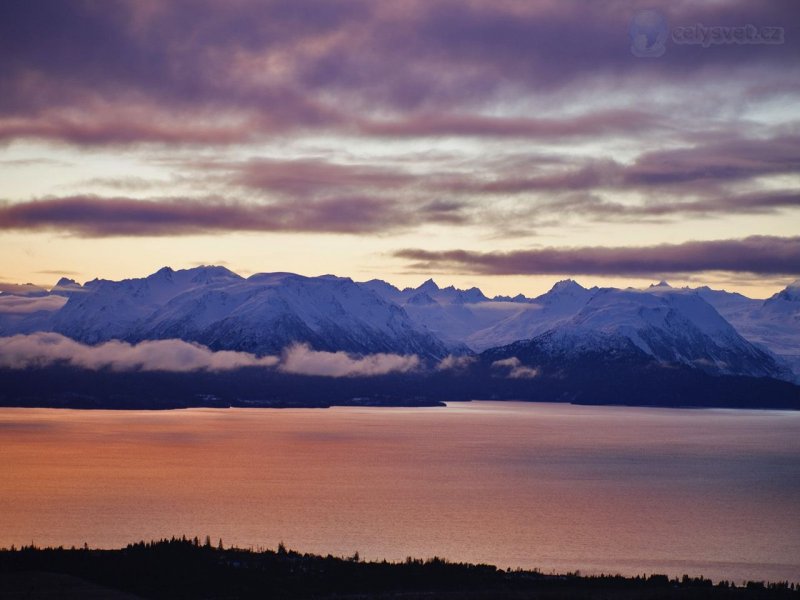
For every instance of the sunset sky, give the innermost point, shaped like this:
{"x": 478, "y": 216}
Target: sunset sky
{"x": 503, "y": 144}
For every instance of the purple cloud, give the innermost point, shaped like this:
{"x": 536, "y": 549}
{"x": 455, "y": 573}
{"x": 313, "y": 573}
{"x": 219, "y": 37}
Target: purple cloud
{"x": 592, "y": 124}
{"x": 301, "y": 178}
{"x": 694, "y": 168}
{"x": 766, "y": 255}
{"x": 125, "y": 71}
{"x": 692, "y": 181}
{"x": 602, "y": 210}
{"x": 92, "y": 216}
{"x": 545, "y": 110}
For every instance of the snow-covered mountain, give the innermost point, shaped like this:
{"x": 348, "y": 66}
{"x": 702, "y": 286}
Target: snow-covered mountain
{"x": 105, "y": 309}
{"x": 705, "y": 329}
{"x": 671, "y": 326}
{"x": 453, "y": 315}
{"x": 534, "y": 317}
{"x": 667, "y": 324}
{"x": 262, "y": 314}
{"x": 267, "y": 312}
{"x": 773, "y": 323}
{"x": 469, "y": 318}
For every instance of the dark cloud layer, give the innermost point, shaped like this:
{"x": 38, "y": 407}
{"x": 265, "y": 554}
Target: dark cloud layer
{"x": 301, "y": 178}
{"x": 123, "y": 71}
{"x": 598, "y": 209}
{"x": 593, "y": 124}
{"x": 697, "y": 167}
{"x": 766, "y": 255}
{"x": 694, "y": 180}
{"x": 550, "y": 119}
{"x": 92, "y": 216}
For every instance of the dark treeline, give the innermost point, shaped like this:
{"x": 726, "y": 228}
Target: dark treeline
{"x": 184, "y": 568}
{"x": 596, "y": 380}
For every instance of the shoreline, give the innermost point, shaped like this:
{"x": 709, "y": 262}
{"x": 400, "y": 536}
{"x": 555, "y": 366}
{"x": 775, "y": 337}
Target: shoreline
{"x": 159, "y": 569}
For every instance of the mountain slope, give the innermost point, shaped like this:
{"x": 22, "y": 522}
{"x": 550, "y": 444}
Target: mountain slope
{"x": 268, "y": 312}
{"x": 773, "y": 323}
{"x": 534, "y": 317}
{"x": 468, "y": 319}
{"x": 112, "y": 309}
{"x": 263, "y": 314}
{"x": 660, "y": 325}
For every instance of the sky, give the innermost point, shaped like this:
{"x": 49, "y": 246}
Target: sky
{"x": 499, "y": 144}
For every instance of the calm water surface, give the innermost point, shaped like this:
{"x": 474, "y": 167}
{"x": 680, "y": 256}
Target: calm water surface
{"x": 558, "y": 487}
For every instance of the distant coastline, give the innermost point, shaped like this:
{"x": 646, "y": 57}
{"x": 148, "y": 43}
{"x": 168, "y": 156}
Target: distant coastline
{"x": 189, "y": 568}
{"x": 589, "y": 383}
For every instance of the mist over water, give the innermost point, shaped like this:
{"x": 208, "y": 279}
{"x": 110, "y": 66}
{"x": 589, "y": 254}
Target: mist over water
{"x": 549, "y": 486}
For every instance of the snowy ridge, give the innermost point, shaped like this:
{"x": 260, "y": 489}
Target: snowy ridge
{"x": 773, "y": 324}
{"x": 220, "y": 309}
{"x": 715, "y": 331}
{"x": 268, "y": 312}
{"x": 671, "y": 326}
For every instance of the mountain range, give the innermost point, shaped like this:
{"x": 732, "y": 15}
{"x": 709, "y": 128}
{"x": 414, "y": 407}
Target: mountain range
{"x": 569, "y": 328}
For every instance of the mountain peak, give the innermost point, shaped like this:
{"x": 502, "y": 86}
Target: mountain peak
{"x": 474, "y": 294}
{"x": 428, "y": 286}
{"x": 330, "y": 277}
{"x": 207, "y": 273}
{"x": 790, "y": 293}
{"x": 661, "y": 284}
{"x": 380, "y": 282}
{"x": 164, "y": 272}
{"x": 65, "y": 286}
{"x": 567, "y": 285}
{"x": 382, "y": 288}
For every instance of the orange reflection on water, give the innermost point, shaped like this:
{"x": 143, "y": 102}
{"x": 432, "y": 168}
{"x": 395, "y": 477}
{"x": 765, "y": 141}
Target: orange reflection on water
{"x": 551, "y": 486}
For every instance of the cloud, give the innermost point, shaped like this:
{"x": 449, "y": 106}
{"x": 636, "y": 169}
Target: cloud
{"x": 125, "y": 72}
{"x": 46, "y": 349}
{"x": 516, "y": 369}
{"x": 94, "y": 216}
{"x": 730, "y": 159}
{"x": 766, "y": 255}
{"x": 697, "y": 133}
{"x": 302, "y": 178}
{"x": 10, "y": 304}
{"x": 697, "y": 166}
{"x": 300, "y": 359}
{"x": 451, "y": 362}
{"x": 592, "y": 124}
{"x": 35, "y": 162}
{"x": 58, "y": 272}
{"x": 119, "y": 127}
{"x": 596, "y": 208}
{"x": 22, "y": 289}
{"x": 129, "y": 71}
